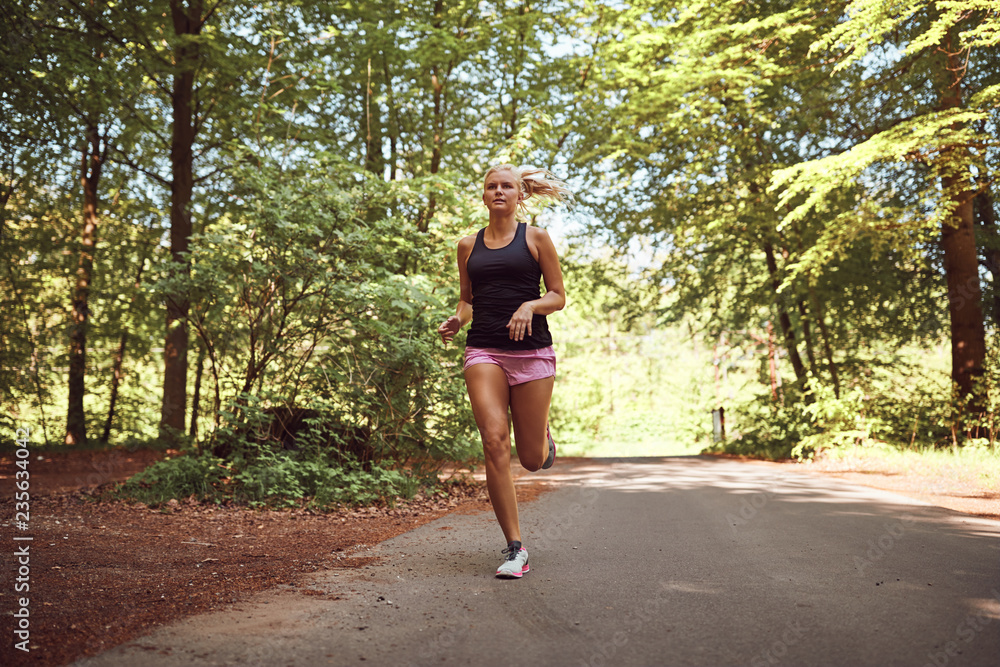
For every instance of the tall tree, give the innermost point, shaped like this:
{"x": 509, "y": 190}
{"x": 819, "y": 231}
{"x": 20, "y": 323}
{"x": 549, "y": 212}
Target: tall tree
{"x": 943, "y": 42}
{"x": 83, "y": 113}
{"x": 709, "y": 102}
{"x": 188, "y": 19}
{"x": 94, "y": 155}
{"x": 712, "y": 104}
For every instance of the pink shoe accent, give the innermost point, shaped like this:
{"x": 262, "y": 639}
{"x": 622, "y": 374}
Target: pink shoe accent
{"x": 518, "y": 575}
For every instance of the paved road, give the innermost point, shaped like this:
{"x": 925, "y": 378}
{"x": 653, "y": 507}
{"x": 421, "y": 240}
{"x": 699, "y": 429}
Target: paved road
{"x": 674, "y": 561}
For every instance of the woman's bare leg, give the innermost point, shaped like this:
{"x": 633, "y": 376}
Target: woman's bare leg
{"x": 529, "y": 409}
{"x": 490, "y": 398}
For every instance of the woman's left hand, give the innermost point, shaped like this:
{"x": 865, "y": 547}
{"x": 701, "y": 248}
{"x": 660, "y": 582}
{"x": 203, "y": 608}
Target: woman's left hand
{"x": 520, "y": 323}
{"x": 449, "y": 328}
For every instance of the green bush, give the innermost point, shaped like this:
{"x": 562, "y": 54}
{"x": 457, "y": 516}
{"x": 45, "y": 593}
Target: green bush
{"x": 764, "y": 428}
{"x": 316, "y": 317}
{"x": 178, "y": 477}
{"x": 888, "y": 401}
{"x": 278, "y": 480}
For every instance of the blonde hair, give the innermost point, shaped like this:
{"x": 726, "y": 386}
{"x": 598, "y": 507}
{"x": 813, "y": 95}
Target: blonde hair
{"x": 534, "y": 182}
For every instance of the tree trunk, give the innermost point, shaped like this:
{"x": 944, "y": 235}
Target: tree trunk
{"x": 438, "y": 87}
{"x": 804, "y": 318}
{"x": 187, "y": 23}
{"x": 772, "y": 361}
{"x": 958, "y": 241}
{"x": 986, "y": 221}
{"x": 116, "y": 373}
{"x": 961, "y": 266}
{"x": 437, "y": 123}
{"x": 196, "y": 398}
{"x": 393, "y": 119}
{"x": 824, "y": 333}
{"x": 783, "y": 319}
{"x": 374, "y": 159}
{"x": 116, "y": 379}
{"x": 90, "y": 176}
{"x": 35, "y": 364}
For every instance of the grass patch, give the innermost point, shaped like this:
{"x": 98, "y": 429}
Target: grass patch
{"x": 974, "y": 465}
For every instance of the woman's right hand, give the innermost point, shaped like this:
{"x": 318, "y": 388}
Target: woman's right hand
{"x": 449, "y": 328}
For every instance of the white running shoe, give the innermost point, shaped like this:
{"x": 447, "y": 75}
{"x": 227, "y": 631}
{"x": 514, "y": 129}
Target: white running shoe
{"x": 516, "y": 562}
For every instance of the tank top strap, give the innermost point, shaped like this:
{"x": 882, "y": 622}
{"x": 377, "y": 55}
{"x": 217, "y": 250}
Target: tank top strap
{"x": 520, "y": 239}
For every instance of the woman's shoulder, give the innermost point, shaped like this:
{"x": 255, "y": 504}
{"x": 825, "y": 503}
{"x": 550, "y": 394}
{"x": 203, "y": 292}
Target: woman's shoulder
{"x": 466, "y": 244}
{"x": 536, "y": 234}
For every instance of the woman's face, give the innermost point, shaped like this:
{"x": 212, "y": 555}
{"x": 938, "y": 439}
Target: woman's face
{"x": 501, "y": 192}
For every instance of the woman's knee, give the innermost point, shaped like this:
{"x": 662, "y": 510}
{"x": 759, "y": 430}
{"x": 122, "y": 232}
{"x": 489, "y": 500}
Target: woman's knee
{"x": 496, "y": 447}
{"x": 530, "y": 462}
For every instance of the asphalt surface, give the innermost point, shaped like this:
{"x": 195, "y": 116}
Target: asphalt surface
{"x": 672, "y": 561}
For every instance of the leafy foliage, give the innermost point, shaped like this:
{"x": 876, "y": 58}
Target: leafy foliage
{"x": 796, "y": 167}
{"x": 279, "y": 480}
{"x": 776, "y": 177}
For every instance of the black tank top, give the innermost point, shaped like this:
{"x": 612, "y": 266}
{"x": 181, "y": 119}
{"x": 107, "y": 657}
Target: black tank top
{"x": 503, "y": 279}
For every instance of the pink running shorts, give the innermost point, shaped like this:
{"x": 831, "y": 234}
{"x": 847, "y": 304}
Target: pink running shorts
{"x": 520, "y": 365}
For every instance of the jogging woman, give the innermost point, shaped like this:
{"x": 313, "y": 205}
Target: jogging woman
{"x": 510, "y": 366}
